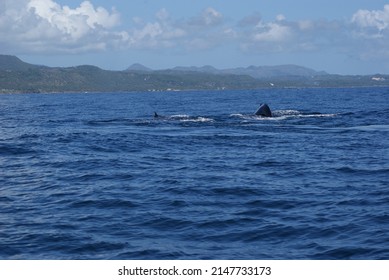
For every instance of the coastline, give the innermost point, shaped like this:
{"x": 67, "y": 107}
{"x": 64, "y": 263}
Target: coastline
{"x": 17, "y": 76}
{"x": 6, "y": 91}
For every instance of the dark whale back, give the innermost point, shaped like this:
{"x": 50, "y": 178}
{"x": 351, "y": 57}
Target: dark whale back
{"x": 263, "y": 111}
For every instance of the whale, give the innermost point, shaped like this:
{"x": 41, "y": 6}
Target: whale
{"x": 263, "y": 111}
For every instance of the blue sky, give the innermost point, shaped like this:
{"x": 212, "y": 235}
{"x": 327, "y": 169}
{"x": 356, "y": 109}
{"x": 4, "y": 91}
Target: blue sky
{"x": 350, "y": 37}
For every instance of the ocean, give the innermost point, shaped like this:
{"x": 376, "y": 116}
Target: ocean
{"x": 96, "y": 176}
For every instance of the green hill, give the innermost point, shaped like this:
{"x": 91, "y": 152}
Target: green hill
{"x": 13, "y": 63}
{"x": 18, "y": 76}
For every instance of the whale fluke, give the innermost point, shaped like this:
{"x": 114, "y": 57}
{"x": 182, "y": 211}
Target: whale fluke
{"x": 263, "y": 111}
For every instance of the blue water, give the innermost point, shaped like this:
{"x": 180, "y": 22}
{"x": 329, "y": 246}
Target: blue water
{"x": 95, "y": 176}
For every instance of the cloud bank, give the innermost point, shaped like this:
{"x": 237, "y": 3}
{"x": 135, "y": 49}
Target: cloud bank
{"x": 41, "y": 26}
{"x": 44, "y": 25}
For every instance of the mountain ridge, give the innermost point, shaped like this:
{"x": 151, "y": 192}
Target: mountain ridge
{"x": 138, "y": 67}
{"x": 13, "y": 63}
{"x": 258, "y": 72}
{"x": 18, "y": 76}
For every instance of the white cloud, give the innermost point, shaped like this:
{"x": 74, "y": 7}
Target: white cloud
{"x": 161, "y": 33}
{"x": 28, "y": 26}
{"x": 211, "y": 16}
{"x": 257, "y": 35}
{"x": 300, "y": 36}
{"x": 378, "y": 19}
{"x": 195, "y": 33}
{"x": 208, "y": 18}
{"x": 371, "y": 34}
{"x": 44, "y": 25}
{"x": 272, "y": 32}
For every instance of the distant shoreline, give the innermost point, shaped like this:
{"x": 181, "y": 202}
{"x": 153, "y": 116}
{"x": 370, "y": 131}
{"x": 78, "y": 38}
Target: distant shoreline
{"x": 17, "y": 76}
{"x": 185, "y": 90}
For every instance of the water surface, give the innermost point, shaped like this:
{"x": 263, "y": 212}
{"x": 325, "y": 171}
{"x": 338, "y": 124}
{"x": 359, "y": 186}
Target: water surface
{"x": 95, "y": 176}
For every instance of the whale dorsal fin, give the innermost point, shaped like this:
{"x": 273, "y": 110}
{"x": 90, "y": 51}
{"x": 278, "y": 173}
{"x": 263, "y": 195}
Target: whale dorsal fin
{"x": 264, "y": 111}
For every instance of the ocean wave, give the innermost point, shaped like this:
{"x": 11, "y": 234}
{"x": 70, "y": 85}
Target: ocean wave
{"x": 198, "y": 119}
{"x": 283, "y": 115}
{"x": 215, "y": 182}
{"x": 184, "y": 118}
{"x": 372, "y": 127}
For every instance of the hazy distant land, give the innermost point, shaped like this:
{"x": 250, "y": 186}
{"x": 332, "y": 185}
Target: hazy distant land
{"x": 17, "y": 76}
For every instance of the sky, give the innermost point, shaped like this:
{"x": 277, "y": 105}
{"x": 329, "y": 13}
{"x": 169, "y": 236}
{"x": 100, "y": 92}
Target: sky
{"x": 349, "y": 37}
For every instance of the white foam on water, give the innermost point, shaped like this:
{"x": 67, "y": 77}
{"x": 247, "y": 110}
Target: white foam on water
{"x": 198, "y": 119}
{"x": 179, "y": 117}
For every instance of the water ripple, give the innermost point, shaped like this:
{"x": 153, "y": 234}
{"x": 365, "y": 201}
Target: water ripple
{"x": 98, "y": 177}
